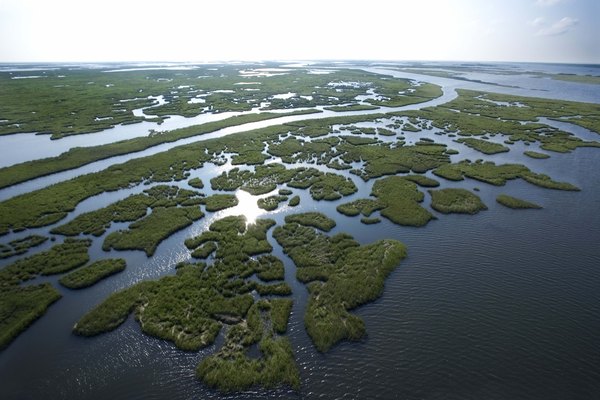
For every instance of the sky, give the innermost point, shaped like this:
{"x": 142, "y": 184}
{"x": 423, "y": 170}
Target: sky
{"x": 225, "y": 30}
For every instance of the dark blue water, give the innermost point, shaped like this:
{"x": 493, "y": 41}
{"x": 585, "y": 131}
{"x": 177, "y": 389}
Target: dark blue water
{"x": 504, "y": 304}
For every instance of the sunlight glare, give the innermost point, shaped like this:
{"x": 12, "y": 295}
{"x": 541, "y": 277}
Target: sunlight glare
{"x": 247, "y": 207}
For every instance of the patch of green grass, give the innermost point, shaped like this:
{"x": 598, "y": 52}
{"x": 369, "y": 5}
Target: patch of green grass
{"x": 383, "y": 160}
{"x": 190, "y": 309}
{"x": 294, "y": 201}
{"x": 422, "y": 180}
{"x": 60, "y": 258}
{"x": 79, "y": 156}
{"x": 271, "y": 203}
{"x": 21, "y": 246}
{"x": 402, "y": 199}
{"x": 21, "y": 306}
{"x": 230, "y": 369}
{"x": 535, "y": 154}
{"x": 93, "y": 273}
{"x": 218, "y": 202}
{"x": 351, "y": 107}
{"x": 234, "y": 239}
{"x": 130, "y": 209}
{"x": 312, "y": 219}
{"x": 483, "y": 146}
{"x": 265, "y": 178}
{"x": 361, "y": 206}
{"x": 341, "y": 275}
{"x": 196, "y": 183}
{"x": 493, "y": 174}
{"x": 515, "y": 203}
{"x": 147, "y": 233}
{"x": 370, "y": 221}
{"x": 456, "y": 201}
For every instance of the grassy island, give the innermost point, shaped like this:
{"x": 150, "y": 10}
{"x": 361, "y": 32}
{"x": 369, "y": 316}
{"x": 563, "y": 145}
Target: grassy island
{"x": 483, "y": 146}
{"x": 535, "y": 154}
{"x": 93, "y": 273}
{"x": 191, "y": 307}
{"x": 20, "y": 246}
{"x": 218, "y": 202}
{"x": 340, "y": 274}
{"x": 313, "y": 219}
{"x": 272, "y": 202}
{"x": 515, "y": 203}
{"x": 401, "y": 198}
{"x": 21, "y": 305}
{"x": 493, "y": 174}
{"x": 456, "y": 201}
{"x": 147, "y": 233}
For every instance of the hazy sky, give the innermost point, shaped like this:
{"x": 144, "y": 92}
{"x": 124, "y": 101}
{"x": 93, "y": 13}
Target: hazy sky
{"x": 195, "y": 30}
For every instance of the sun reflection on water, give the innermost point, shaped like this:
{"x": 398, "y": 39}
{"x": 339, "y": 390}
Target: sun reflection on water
{"x": 247, "y": 206}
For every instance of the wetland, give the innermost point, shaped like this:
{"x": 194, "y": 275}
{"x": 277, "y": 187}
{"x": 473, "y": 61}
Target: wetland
{"x": 378, "y": 224}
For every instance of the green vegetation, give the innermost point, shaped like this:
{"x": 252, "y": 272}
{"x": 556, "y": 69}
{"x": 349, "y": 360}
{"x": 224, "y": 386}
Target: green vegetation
{"x": 130, "y": 209}
{"x": 483, "y": 113}
{"x": 49, "y": 205}
{"x": 398, "y": 199}
{"x": 265, "y": 178}
{"x": 361, "y": 206}
{"x": 20, "y": 305}
{"x": 493, "y": 174}
{"x": 196, "y": 183}
{"x": 456, "y": 201}
{"x": 58, "y": 259}
{"x": 284, "y": 192}
{"x": 370, "y": 221}
{"x": 218, "y": 202}
{"x": 234, "y": 240}
{"x": 271, "y": 203}
{"x": 145, "y": 234}
{"x": 313, "y": 219}
{"x": 93, "y": 273}
{"x": 66, "y": 101}
{"x": 294, "y": 201}
{"x": 513, "y": 202}
{"x": 351, "y": 107}
{"x": 588, "y": 79}
{"x": 79, "y": 156}
{"x": 20, "y": 246}
{"x": 535, "y": 154}
{"x": 341, "y": 275}
{"x": 230, "y": 369}
{"x": 422, "y": 180}
{"x": 483, "y": 146}
{"x": 191, "y": 307}
{"x": 383, "y": 160}
{"x": 401, "y": 198}
{"x": 516, "y": 117}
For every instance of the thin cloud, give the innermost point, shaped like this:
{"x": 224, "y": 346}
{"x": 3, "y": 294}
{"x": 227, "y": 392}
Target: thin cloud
{"x": 558, "y": 28}
{"x": 538, "y": 22}
{"x": 547, "y": 3}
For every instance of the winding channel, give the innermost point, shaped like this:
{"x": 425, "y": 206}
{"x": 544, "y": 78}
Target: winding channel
{"x": 41, "y": 146}
{"x": 449, "y": 94}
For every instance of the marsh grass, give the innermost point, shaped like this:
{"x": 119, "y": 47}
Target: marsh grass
{"x": 515, "y": 203}
{"x": 91, "y": 274}
{"x": 453, "y": 200}
{"x": 340, "y": 276}
{"x": 146, "y": 233}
